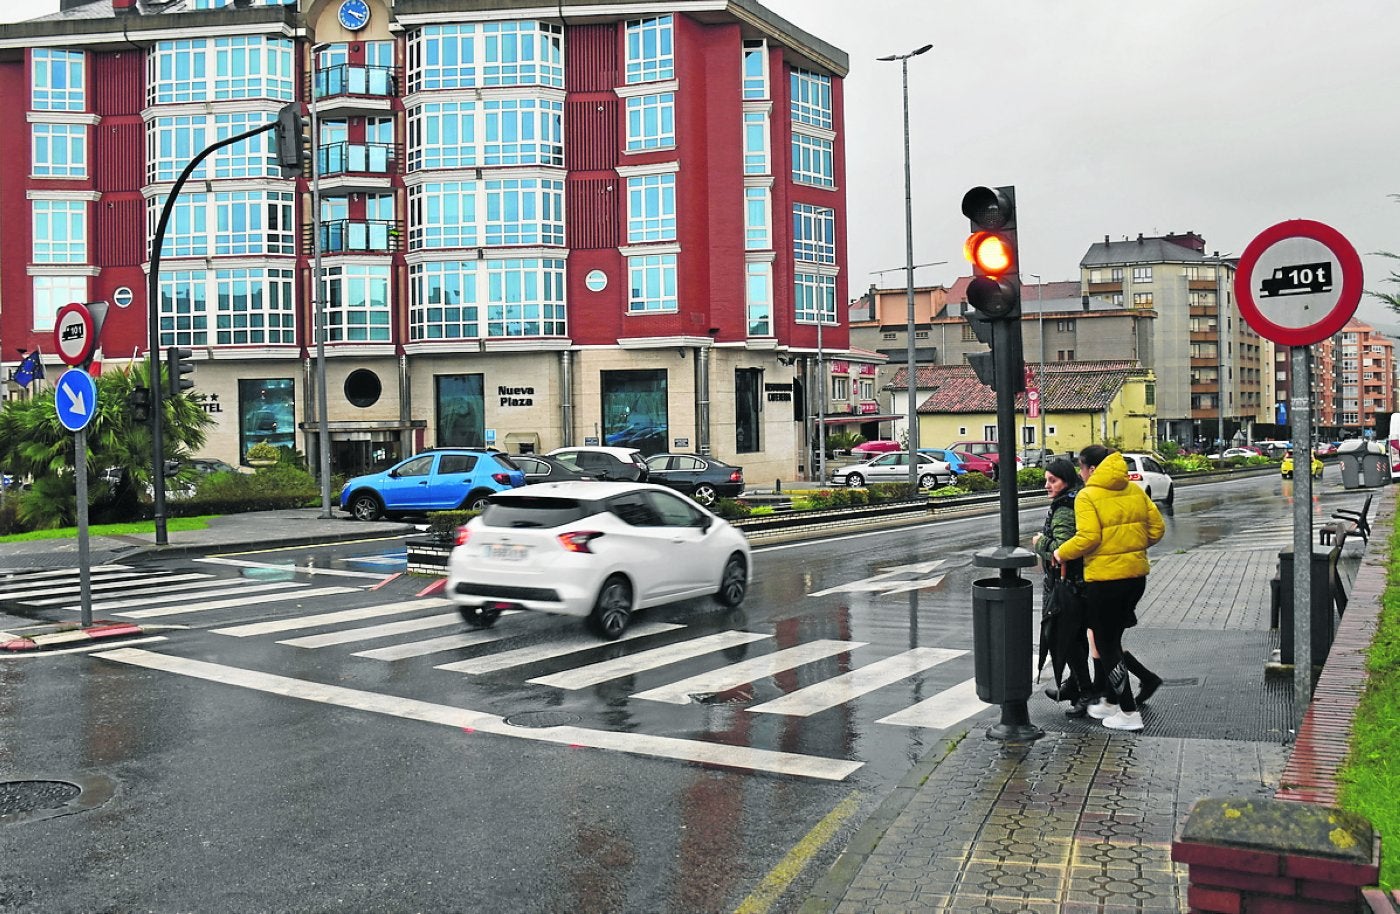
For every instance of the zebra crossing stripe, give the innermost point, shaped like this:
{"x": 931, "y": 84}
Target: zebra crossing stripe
{"x": 153, "y": 584}
{"x": 159, "y": 612}
{"x": 560, "y": 647}
{"x": 299, "y": 569}
{"x": 274, "y": 626}
{"x": 840, "y": 689}
{"x": 401, "y": 627}
{"x": 49, "y": 588}
{"x": 594, "y": 673}
{"x": 938, "y": 712}
{"x": 695, "y": 751}
{"x": 149, "y": 594}
{"x": 26, "y": 576}
{"x": 431, "y": 645}
{"x": 737, "y": 674}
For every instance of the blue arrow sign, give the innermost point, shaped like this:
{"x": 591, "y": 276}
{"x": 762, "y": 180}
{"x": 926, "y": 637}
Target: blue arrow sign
{"x": 75, "y": 399}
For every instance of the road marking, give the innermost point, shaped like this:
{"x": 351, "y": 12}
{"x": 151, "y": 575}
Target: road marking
{"x": 840, "y": 689}
{"x": 223, "y": 589}
{"x": 762, "y": 898}
{"x": 237, "y": 601}
{"x": 938, "y": 712}
{"x": 898, "y": 579}
{"x": 48, "y": 588}
{"x": 559, "y": 647}
{"x": 99, "y": 646}
{"x": 737, "y": 674}
{"x": 13, "y": 576}
{"x": 695, "y": 751}
{"x": 431, "y": 645}
{"x": 298, "y": 569}
{"x": 274, "y": 626}
{"x": 401, "y": 627}
{"x": 135, "y": 585}
{"x": 594, "y": 673}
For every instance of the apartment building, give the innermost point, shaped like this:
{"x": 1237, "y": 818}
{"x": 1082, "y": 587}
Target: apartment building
{"x": 538, "y": 225}
{"x": 1353, "y": 381}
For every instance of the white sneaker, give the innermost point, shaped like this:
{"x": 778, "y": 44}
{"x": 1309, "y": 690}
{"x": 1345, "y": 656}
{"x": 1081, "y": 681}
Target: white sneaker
{"x": 1124, "y": 720}
{"x": 1102, "y": 708}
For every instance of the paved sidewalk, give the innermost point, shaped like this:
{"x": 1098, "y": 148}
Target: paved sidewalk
{"x": 1083, "y": 819}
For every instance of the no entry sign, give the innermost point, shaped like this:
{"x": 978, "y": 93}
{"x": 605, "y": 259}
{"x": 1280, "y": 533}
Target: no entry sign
{"x": 1298, "y": 282}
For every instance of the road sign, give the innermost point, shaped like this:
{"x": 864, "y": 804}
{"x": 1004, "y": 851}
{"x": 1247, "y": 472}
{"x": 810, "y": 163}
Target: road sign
{"x": 1032, "y": 404}
{"x": 74, "y": 333}
{"x": 75, "y": 399}
{"x": 1298, "y": 282}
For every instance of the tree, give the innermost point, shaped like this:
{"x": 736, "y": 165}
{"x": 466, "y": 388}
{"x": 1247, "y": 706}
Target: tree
{"x": 1389, "y": 298}
{"x": 35, "y": 444}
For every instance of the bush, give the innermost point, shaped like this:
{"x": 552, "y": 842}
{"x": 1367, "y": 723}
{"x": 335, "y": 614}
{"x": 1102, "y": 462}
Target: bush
{"x": 270, "y": 488}
{"x": 974, "y": 481}
{"x": 732, "y": 508}
{"x": 887, "y": 491}
{"x": 1030, "y": 478}
{"x": 442, "y": 525}
{"x": 1169, "y": 449}
{"x": 1188, "y": 463}
{"x": 9, "y": 515}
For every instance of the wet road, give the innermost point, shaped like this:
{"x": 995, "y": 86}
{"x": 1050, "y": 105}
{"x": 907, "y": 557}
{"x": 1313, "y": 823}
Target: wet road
{"x": 308, "y": 737}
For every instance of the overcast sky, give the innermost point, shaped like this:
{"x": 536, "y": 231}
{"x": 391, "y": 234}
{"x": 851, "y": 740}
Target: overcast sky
{"x": 1221, "y": 117}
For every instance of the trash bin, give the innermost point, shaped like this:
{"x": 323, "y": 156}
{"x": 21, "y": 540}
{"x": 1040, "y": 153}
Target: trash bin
{"x": 1349, "y": 456}
{"x": 1001, "y": 639}
{"x": 1319, "y": 607}
{"x": 1375, "y": 468}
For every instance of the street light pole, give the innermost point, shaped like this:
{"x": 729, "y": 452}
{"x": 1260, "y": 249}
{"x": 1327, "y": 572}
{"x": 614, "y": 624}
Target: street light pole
{"x": 1040, "y": 369}
{"x": 909, "y": 270}
{"x": 318, "y": 303}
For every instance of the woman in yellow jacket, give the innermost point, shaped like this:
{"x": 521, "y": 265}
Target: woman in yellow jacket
{"x": 1115, "y": 522}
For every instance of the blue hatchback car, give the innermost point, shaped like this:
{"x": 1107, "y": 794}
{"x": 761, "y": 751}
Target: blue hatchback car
{"x": 438, "y": 480}
{"x": 951, "y": 458}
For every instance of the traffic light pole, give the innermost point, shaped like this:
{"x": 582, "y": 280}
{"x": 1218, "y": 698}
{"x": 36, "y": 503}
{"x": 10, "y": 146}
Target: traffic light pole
{"x": 153, "y": 329}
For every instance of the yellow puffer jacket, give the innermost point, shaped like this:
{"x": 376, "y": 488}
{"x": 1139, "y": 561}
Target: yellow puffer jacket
{"x": 1115, "y": 522}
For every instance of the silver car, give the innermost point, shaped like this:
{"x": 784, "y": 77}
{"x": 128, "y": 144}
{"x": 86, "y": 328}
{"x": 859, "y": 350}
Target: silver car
{"x": 893, "y": 468}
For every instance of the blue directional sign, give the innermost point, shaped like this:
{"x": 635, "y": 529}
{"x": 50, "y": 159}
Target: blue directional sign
{"x": 75, "y": 399}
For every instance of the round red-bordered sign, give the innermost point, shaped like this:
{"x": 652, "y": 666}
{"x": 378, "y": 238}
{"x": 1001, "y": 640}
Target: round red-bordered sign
{"x": 74, "y": 334}
{"x": 1298, "y": 282}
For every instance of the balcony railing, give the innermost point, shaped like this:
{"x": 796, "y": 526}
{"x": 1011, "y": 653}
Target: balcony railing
{"x": 342, "y": 236}
{"x": 356, "y": 158}
{"x": 345, "y": 79}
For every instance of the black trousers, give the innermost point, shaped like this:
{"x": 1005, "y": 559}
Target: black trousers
{"x": 1113, "y": 610}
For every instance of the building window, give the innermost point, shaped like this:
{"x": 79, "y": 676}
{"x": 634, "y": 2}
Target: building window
{"x": 1116, "y": 274}
{"x": 748, "y": 409}
{"x": 815, "y": 298}
{"x": 968, "y": 334}
{"x": 442, "y": 301}
{"x": 1142, "y": 274}
{"x": 920, "y": 334}
{"x": 650, "y": 51}
{"x": 651, "y": 121}
{"x": 813, "y": 233}
{"x": 525, "y": 298}
{"x": 503, "y": 53}
{"x": 442, "y": 215}
{"x": 812, "y": 161}
{"x": 1142, "y": 299}
{"x": 756, "y": 143}
{"x": 219, "y": 69}
{"x": 1149, "y": 393}
{"x": 266, "y": 413}
{"x": 865, "y": 388}
{"x": 357, "y": 303}
{"x": 253, "y": 222}
{"x": 758, "y": 234}
{"x": 811, "y": 98}
{"x": 254, "y": 307}
{"x": 755, "y": 70}
{"x": 59, "y": 151}
{"x": 840, "y": 389}
{"x": 184, "y": 308}
{"x": 652, "y": 283}
{"x": 52, "y": 293}
{"x": 524, "y": 211}
{"x": 759, "y": 298}
{"x": 461, "y": 410}
{"x": 57, "y": 80}
{"x": 442, "y": 57}
{"x": 526, "y": 131}
{"x": 60, "y": 231}
{"x": 893, "y": 336}
{"x": 651, "y": 208}
{"x": 1116, "y": 299}
{"x": 1064, "y": 355}
{"x": 171, "y": 142}
{"x": 1064, "y": 326}
{"x": 442, "y": 135}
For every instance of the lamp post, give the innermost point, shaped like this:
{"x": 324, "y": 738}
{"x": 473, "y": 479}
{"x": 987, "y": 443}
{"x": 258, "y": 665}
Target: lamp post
{"x": 1040, "y": 368}
{"x": 909, "y": 268}
{"x": 318, "y": 302}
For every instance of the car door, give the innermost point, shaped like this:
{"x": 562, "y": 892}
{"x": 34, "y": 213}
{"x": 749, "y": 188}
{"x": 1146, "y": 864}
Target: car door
{"x": 406, "y": 485}
{"x": 889, "y": 468}
{"x": 693, "y": 560}
{"x": 648, "y": 553}
{"x": 1157, "y": 477}
{"x": 451, "y": 482}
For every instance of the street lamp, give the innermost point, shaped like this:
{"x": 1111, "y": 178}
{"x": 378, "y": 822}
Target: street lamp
{"x": 318, "y": 296}
{"x": 909, "y": 268}
{"x": 1040, "y": 369}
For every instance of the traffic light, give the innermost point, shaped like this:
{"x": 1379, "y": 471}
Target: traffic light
{"x": 995, "y": 290}
{"x": 178, "y": 363}
{"x": 291, "y": 140}
{"x": 140, "y": 403}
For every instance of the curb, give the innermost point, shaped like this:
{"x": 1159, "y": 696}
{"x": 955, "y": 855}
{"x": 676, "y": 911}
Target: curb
{"x": 56, "y": 635}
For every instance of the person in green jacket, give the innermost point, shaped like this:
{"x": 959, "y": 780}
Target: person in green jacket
{"x": 1115, "y": 523}
{"x": 1069, "y": 646}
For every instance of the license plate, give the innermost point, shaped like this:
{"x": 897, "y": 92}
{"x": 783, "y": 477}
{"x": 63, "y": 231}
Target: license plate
{"x": 506, "y": 553}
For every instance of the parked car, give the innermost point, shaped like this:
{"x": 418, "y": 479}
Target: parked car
{"x": 542, "y": 468}
{"x": 871, "y": 448}
{"x": 600, "y": 550}
{"x": 1236, "y": 452}
{"x": 1286, "y": 466}
{"x": 1325, "y": 448}
{"x": 976, "y": 463}
{"x": 1151, "y": 477}
{"x": 955, "y": 463}
{"x": 986, "y": 449}
{"x": 617, "y": 464}
{"x": 704, "y": 479}
{"x": 893, "y": 468}
{"x": 436, "y": 480}
{"x": 1035, "y": 456}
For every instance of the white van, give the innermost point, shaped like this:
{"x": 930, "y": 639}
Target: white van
{"x": 1392, "y": 446}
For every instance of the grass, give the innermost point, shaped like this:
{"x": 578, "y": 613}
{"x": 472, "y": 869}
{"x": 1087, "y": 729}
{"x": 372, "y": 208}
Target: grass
{"x": 173, "y": 524}
{"x": 1370, "y": 778}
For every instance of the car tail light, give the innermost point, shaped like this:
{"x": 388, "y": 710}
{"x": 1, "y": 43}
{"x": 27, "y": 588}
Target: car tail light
{"x": 463, "y": 534}
{"x": 578, "y": 540}
{"x": 736, "y": 476}
{"x": 502, "y": 478}
{"x": 1135, "y": 477}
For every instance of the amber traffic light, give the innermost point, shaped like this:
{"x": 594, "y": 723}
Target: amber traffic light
{"x": 995, "y": 290}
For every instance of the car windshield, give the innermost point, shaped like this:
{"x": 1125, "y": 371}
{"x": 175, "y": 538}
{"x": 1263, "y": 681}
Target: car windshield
{"x": 536, "y": 511}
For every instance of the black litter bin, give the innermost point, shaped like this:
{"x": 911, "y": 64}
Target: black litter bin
{"x": 1319, "y": 608}
{"x": 1375, "y": 470}
{"x": 1001, "y": 639}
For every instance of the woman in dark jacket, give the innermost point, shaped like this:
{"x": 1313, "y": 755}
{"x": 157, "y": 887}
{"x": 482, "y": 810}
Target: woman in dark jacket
{"x": 1070, "y": 646}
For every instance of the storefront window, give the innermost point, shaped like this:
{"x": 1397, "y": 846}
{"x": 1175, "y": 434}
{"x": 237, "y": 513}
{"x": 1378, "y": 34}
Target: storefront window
{"x": 634, "y": 410}
{"x": 266, "y": 413}
{"x": 461, "y": 410}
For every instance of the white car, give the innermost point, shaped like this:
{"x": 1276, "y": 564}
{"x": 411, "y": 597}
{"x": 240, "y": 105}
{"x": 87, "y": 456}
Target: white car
{"x": 894, "y": 468}
{"x": 1151, "y": 477}
{"x": 600, "y": 550}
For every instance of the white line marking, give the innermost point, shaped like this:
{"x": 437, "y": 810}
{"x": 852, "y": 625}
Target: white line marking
{"x": 22, "y": 577}
{"x": 237, "y": 601}
{"x": 299, "y": 569}
{"x": 737, "y": 674}
{"x": 403, "y": 626}
{"x": 938, "y": 712}
{"x": 741, "y": 757}
{"x": 225, "y": 588}
{"x": 594, "y": 673}
{"x": 840, "y": 689}
{"x": 567, "y": 644}
{"x": 431, "y": 645}
{"x": 96, "y": 646}
{"x": 50, "y": 588}
{"x": 333, "y": 618}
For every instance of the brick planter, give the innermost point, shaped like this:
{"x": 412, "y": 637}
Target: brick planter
{"x": 427, "y": 555}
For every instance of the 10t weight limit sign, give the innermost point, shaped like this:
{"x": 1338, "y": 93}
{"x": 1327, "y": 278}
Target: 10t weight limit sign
{"x": 1298, "y": 283}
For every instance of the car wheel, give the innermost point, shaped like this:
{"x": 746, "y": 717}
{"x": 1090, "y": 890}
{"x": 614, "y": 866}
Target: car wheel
{"x": 479, "y": 616}
{"x": 705, "y": 494}
{"x": 733, "y": 582}
{"x": 477, "y": 501}
{"x": 1171, "y": 495}
{"x": 928, "y": 481}
{"x": 613, "y": 608}
{"x": 855, "y": 480}
{"x": 366, "y": 506}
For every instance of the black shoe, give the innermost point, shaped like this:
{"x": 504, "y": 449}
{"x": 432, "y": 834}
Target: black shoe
{"x": 1080, "y": 708}
{"x": 1067, "y": 692}
{"x": 1147, "y": 688}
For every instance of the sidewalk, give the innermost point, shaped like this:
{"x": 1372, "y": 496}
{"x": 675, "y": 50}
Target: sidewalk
{"x": 1083, "y": 819}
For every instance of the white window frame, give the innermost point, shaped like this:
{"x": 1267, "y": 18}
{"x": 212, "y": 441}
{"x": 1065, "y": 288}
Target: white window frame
{"x": 651, "y": 121}
{"x": 758, "y": 159}
{"x": 651, "y": 208}
{"x": 813, "y": 233}
{"x": 53, "y": 292}
{"x": 650, "y": 50}
{"x": 60, "y": 231}
{"x": 358, "y": 303}
{"x": 439, "y": 320}
{"x": 58, "y": 80}
{"x": 754, "y": 70}
{"x": 811, "y": 98}
{"x": 758, "y": 297}
{"x": 813, "y": 160}
{"x": 814, "y": 297}
{"x": 758, "y": 217}
{"x": 525, "y": 297}
{"x": 253, "y": 306}
{"x": 652, "y": 284}
{"x": 58, "y": 150}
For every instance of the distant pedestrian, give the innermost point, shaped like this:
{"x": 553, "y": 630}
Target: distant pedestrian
{"x": 1068, "y": 645}
{"x": 1115, "y": 523}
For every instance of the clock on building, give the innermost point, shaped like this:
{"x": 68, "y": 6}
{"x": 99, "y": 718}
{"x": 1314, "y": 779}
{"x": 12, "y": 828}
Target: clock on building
{"x": 354, "y": 14}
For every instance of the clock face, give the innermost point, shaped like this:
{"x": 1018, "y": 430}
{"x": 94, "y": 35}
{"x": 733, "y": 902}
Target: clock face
{"x": 354, "y": 14}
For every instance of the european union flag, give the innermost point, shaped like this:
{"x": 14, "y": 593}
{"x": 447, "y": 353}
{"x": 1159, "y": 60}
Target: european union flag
{"x": 30, "y": 367}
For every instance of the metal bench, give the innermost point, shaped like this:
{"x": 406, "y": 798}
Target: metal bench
{"x": 1348, "y": 520}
